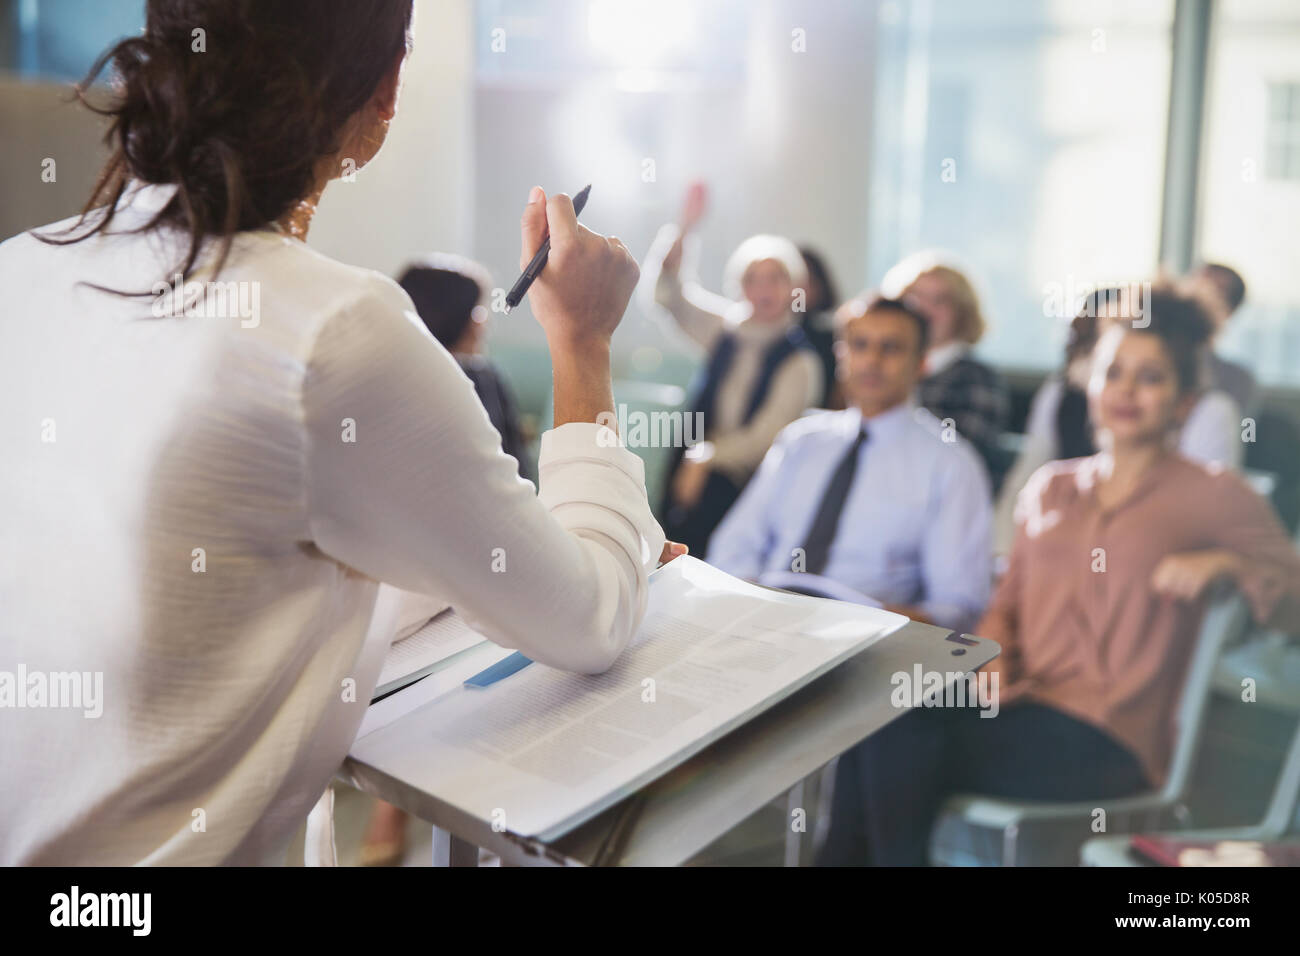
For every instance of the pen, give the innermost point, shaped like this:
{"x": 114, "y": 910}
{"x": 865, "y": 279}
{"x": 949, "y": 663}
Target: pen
{"x": 538, "y": 262}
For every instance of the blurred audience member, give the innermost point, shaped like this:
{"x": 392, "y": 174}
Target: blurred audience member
{"x": 869, "y": 504}
{"x": 1097, "y": 615}
{"x": 760, "y": 375}
{"x": 448, "y": 292}
{"x": 1059, "y": 425}
{"x": 954, "y": 384}
{"x": 1220, "y": 290}
{"x": 819, "y": 323}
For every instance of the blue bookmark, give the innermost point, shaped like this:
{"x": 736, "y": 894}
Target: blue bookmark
{"x": 502, "y": 668}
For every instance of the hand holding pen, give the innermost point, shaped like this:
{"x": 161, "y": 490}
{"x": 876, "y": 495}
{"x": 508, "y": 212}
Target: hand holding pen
{"x": 582, "y": 290}
{"x": 538, "y": 261}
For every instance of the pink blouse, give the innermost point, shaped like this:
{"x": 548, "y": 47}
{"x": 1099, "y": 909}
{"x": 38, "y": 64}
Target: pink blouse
{"x": 1080, "y": 626}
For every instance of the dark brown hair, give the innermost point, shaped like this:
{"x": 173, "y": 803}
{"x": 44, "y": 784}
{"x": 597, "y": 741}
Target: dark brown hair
{"x": 871, "y": 301}
{"x": 241, "y": 125}
{"x": 1085, "y": 328}
{"x": 446, "y": 290}
{"x": 819, "y": 272}
{"x": 1228, "y": 281}
{"x": 1183, "y": 329}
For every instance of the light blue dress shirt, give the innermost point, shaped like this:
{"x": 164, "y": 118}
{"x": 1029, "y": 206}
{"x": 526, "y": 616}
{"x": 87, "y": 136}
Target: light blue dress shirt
{"x": 915, "y": 529}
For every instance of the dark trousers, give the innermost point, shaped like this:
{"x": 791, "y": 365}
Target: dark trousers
{"x": 890, "y": 787}
{"x": 694, "y": 526}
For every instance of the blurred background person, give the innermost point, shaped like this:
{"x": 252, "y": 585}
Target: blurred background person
{"x": 1060, "y": 426}
{"x": 869, "y": 504}
{"x": 1093, "y": 660}
{"x": 1221, "y": 290}
{"x": 448, "y": 291}
{"x": 954, "y": 384}
{"x": 760, "y": 373}
{"x": 818, "y": 321}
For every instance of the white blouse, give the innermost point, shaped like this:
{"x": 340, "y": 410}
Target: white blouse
{"x": 199, "y": 511}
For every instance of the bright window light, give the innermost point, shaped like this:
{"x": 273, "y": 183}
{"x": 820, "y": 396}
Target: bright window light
{"x": 638, "y": 34}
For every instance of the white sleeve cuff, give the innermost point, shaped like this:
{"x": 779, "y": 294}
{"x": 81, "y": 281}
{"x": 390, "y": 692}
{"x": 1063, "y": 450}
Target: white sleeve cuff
{"x": 584, "y": 472}
{"x": 589, "y": 441}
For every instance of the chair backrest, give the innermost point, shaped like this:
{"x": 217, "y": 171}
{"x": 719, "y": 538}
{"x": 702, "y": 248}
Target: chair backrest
{"x": 660, "y": 409}
{"x": 1263, "y": 482}
{"x": 1276, "y": 449}
{"x": 1282, "y": 813}
{"x": 1225, "y": 618}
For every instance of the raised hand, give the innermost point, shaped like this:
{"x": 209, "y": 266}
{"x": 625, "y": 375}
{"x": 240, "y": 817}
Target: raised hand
{"x": 695, "y": 206}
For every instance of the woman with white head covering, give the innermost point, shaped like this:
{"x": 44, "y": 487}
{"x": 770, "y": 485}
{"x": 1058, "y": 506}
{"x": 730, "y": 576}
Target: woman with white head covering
{"x": 760, "y": 374}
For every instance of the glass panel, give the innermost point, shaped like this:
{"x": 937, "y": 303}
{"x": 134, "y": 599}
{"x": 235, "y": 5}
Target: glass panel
{"x": 1027, "y": 138}
{"x": 1250, "y": 185}
{"x": 60, "y": 39}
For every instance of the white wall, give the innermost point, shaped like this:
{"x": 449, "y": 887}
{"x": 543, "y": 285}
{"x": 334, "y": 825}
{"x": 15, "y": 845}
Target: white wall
{"x": 783, "y": 142}
{"x": 414, "y": 197}
{"x": 38, "y": 124}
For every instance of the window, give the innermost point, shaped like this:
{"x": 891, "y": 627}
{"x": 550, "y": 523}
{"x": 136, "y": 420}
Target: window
{"x": 1282, "y": 149}
{"x": 1250, "y": 179}
{"x": 1028, "y": 139}
{"x": 60, "y": 39}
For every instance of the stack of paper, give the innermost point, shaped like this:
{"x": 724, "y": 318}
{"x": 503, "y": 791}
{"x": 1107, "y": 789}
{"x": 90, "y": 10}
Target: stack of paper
{"x": 420, "y": 653}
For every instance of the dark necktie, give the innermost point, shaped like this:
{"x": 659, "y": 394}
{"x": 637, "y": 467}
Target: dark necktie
{"x": 817, "y": 546}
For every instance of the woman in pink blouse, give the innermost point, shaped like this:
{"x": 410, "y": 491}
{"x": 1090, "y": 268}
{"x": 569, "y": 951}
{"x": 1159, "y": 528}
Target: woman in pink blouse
{"x": 1097, "y": 613}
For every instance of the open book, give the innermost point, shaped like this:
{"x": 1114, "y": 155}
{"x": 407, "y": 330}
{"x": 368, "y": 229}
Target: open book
{"x": 543, "y": 750}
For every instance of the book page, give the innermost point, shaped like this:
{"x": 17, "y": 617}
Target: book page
{"x": 418, "y": 653}
{"x": 543, "y": 750}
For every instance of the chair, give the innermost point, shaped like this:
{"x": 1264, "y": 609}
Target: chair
{"x": 655, "y": 403}
{"x": 1279, "y": 819}
{"x": 1276, "y": 449}
{"x": 1269, "y": 656}
{"x": 1263, "y": 483}
{"x": 973, "y": 830}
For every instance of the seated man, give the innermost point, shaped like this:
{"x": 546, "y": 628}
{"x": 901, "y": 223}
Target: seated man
{"x": 877, "y": 503}
{"x": 1220, "y": 292}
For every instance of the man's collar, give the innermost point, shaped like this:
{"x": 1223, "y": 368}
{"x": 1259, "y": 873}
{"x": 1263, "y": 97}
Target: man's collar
{"x": 881, "y": 426}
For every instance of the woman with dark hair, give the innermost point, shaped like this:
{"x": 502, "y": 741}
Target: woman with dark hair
{"x": 819, "y": 324}
{"x": 958, "y": 388}
{"x": 760, "y": 372}
{"x": 1097, "y": 614}
{"x": 1059, "y": 426}
{"x": 207, "y": 497}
